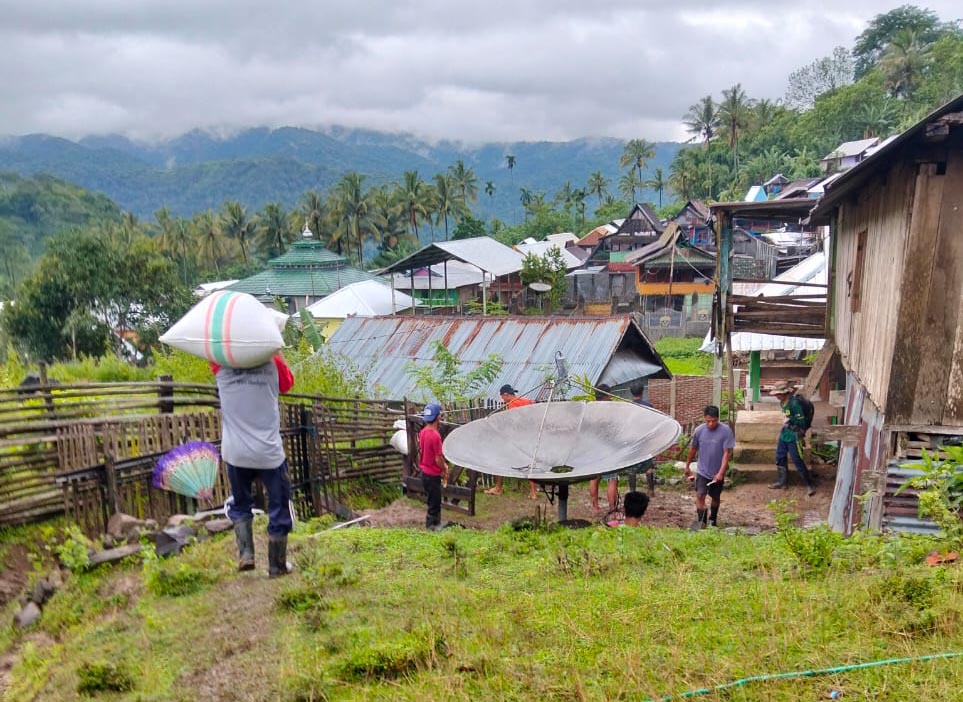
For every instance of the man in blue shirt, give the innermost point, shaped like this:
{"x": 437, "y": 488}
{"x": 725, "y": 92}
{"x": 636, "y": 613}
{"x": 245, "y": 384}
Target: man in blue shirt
{"x": 713, "y": 442}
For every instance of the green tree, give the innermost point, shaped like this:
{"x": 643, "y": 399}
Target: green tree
{"x": 387, "y": 218}
{"x": 313, "y": 212}
{"x": 657, "y": 182}
{"x": 598, "y": 185}
{"x": 628, "y": 185}
{"x": 733, "y": 117}
{"x": 351, "y": 208}
{"x": 448, "y": 380}
{"x": 702, "y": 120}
{"x": 210, "y": 241}
{"x": 236, "y": 225}
{"x": 636, "y": 154}
{"x": 448, "y": 203}
{"x": 274, "y": 231}
{"x": 490, "y": 192}
{"x": 873, "y": 42}
{"x": 548, "y": 268}
{"x": 903, "y": 63}
{"x": 465, "y": 181}
{"x": 468, "y": 227}
{"x": 415, "y": 198}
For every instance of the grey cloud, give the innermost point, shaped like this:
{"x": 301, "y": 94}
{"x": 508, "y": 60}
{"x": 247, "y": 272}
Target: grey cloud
{"x": 469, "y": 71}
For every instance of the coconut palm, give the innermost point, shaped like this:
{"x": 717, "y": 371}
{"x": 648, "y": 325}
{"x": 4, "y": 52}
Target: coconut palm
{"x": 903, "y": 63}
{"x": 636, "y": 154}
{"x": 510, "y": 162}
{"x": 657, "y": 182}
{"x": 597, "y": 185}
{"x": 314, "y": 211}
{"x": 683, "y": 174}
{"x": 734, "y": 116}
{"x": 207, "y": 233}
{"x": 465, "y": 181}
{"x": 415, "y": 198}
{"x": 702, "y": 120}
{"x": 351, "y": 207}
{"x": 490, "y": 192}
{"x": 525, "y": 197}
{"x": 447, "y": 200}
{"x": 237, "y": 225}
{"x": 387, "y": 218}
{"x": 877, "y": 118}
{"x": 578, "y": 199}
{"x": 628, "y": 185}
{"x": 564, "y": 196}
{"x": 274, "y": 230}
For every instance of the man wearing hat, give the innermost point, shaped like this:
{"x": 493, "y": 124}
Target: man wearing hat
{"x": 790, "y": 437}
{"x": 511, "y": 399}
{"x": 432, "y": 463}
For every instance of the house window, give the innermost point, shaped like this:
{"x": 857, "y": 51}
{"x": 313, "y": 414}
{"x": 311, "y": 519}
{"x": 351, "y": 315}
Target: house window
{"x": 856, "y": 275}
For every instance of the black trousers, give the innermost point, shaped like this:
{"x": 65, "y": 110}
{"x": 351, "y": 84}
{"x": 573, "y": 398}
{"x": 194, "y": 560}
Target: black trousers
{"x": 432, "y": 486}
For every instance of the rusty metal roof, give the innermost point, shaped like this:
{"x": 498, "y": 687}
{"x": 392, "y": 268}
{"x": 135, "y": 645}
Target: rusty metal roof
{"x": 611, "y": 350}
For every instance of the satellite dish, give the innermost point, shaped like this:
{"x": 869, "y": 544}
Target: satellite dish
{"x": 561, "y": 442}
{"x": 540, "y": 287}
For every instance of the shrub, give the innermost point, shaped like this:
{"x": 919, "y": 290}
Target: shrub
{"x": 103, "y": 677}
{"x": 391, "y": 659}
{"x": 812, "y": 548}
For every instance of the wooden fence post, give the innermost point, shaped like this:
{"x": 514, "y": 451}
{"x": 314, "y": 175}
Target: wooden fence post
{"x": 165, "y": 392}
{"x": 45, "y": 389}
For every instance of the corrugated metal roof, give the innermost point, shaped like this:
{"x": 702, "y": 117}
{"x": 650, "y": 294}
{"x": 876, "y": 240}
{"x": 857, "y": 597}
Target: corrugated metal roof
{"x": 851, "y": 148}
{"x": 481, "y": 251}
{"x": 540, "y": 248}
{"x": 900, "y": 512}
{"x": 310, "y": 253}
{"x": 597, "y": 348}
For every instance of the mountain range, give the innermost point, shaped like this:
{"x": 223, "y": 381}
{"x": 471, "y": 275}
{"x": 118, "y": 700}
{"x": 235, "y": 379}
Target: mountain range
{"x": 200, "y": 170}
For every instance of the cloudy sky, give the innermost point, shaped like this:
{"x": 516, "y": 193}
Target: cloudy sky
{"x": 471, "y": 71}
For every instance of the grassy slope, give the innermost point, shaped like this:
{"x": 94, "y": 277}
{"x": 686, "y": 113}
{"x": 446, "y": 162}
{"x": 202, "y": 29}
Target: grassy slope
{"x": 379, "y": 614}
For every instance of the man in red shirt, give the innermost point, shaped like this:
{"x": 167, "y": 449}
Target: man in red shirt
{"x": 432, "y": 464}
{"x": 511, "y": 399}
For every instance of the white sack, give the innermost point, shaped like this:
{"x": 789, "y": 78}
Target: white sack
{"x": 229, "y": 328}
{"x": 399, "y": 440}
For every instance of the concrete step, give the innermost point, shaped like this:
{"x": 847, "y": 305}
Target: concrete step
{"x": 758, "y": 453}
{"x": 758, "y": 426}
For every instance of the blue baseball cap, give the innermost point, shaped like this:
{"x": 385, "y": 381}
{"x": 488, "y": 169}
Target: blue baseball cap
{"x": 432, "y": 410}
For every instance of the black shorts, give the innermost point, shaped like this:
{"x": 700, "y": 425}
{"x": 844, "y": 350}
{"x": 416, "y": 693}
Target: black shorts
{"x": 703, "y": 488}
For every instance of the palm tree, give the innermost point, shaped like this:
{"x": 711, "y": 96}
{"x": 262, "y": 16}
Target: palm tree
{"x": 683, "y": 174}
{"x": 415, "y": 198}
{"x": 510, "y": 162}
{"x": 578, "y": 198}
{"x": 165, "y": 228}
{"x": 628, "y": 185}
{"x": 388, "y": 221}
{"x": 351, "y": 207}
{"x": 274, "y": 230}
{"x": 525, "y": 197}
{"x": 490, "y": 191}
{"x": 447, "y": 202}
{"x": 208, "y": 235}
{"x": 734, "y": 116}
{"x": 597, "y": 185}
{"x": 636, "y": 153}
{"x": 805, "y": 164}
{"x": 702, "y": 120}
{"x": 236, "y": 225}
{"x": 314, "y": 212}
{"x": 564, "y": 196}
{"x": 657, "y": 183}
{"x": 903, "y": 62}
{"x": 465, "y": 181}
{"x": 877, "y": 117}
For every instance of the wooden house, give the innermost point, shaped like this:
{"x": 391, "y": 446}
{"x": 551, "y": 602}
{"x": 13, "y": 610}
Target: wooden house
{"x": 694, "y": 220}
{"x": 897, "y": 314}
{"x": 675, "y": 282}
{"x": 642, "y": 226}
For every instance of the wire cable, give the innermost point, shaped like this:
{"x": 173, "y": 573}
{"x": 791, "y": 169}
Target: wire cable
{"x": 804, "y": 674}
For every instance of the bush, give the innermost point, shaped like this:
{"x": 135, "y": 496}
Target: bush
{"x": 386, "y": 660}
{"x": 812, "y": 548}
{"x": 103, "y": 677}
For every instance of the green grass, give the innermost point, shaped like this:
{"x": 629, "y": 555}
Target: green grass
{"x": 683, "y": 357}
{"x": 593, "y": 614}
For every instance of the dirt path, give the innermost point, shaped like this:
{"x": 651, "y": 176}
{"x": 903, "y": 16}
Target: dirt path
{"x": 672, "y": 506}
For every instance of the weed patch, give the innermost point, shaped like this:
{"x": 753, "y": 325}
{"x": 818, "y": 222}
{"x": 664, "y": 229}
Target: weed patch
{"x": 390, "y": 659}
{"x": 103, "y": 677}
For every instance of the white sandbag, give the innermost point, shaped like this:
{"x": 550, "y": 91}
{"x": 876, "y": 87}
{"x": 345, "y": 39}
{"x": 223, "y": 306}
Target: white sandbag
{"x": 280, "y": 318}
{"x": 399, "y": 440}
{"x": 229, "y": 328}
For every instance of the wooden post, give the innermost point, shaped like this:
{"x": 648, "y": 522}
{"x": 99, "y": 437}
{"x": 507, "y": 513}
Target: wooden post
{"x": 166, "y": 394}
{"x": 45, "y": 389}
{"x": 755, "y": 373}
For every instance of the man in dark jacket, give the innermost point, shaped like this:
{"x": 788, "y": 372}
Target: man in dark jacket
{"x": 791, "y": 438}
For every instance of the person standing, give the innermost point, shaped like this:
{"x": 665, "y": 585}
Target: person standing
{"x": 648, "y": 466}
{"x": 791, "y": 438}
{"x": 251, "y": 447}
{"x": 511, "y": 399}
{"x": 431, "y": 461}
{"x": 712, "y": 442}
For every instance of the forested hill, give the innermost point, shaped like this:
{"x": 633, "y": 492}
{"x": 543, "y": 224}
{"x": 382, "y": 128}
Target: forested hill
{"x": 34, "y": 208}
{"x": 199, "y": 171}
